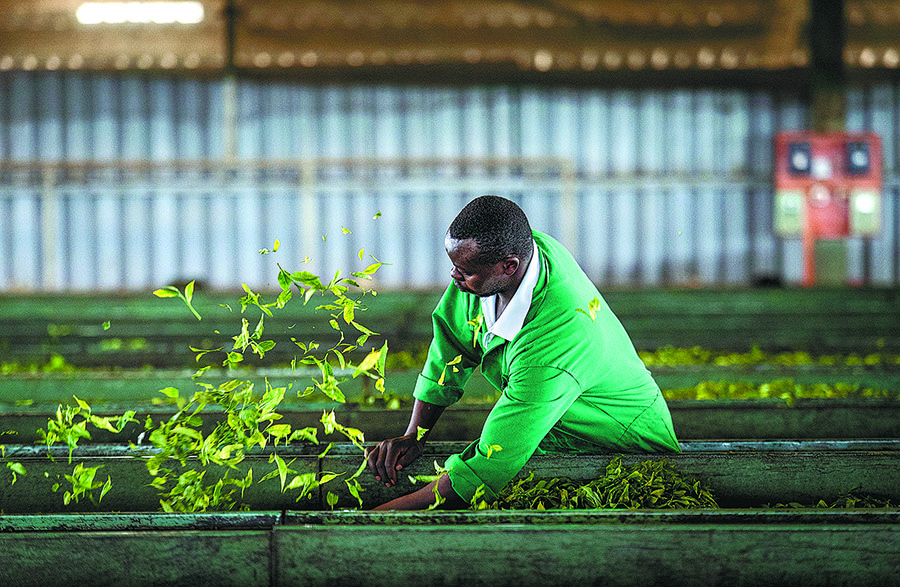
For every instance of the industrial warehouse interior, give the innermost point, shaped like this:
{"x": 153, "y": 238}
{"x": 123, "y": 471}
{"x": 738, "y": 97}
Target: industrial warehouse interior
{"x": 259, "y": 284}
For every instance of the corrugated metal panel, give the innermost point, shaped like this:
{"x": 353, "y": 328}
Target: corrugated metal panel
{"x": 648, "y": 187}
{"x": 877, "y": 108}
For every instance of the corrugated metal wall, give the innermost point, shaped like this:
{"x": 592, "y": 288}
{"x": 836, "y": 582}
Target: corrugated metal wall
{"x": 647, "y": 187}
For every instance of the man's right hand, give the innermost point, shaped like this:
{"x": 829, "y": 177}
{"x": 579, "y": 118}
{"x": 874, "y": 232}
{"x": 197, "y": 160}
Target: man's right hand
{"x": 389, "y": 456}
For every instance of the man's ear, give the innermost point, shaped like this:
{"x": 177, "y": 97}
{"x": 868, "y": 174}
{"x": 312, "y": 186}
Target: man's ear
{"x": 510, "y": 265}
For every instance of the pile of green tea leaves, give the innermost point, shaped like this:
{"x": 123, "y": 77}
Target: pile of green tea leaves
{"x": 55, "y": 364}
{"x": 675, "y": 357}
{"x": 849, "y": 500}
{"x": 784, "y": 389}
{"x": 647, "y": 484}
{"x": 411, "y": 358}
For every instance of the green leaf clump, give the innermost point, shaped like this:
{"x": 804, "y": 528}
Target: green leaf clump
{"x": 696, "y": 355}
{"x": 647, "y": 484}
{"x": 852, "y": 499}
{"x": 785, "y": 389}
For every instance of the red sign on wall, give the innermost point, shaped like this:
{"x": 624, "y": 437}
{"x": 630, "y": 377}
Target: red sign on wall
{"x": 828, "y": 184}
{"x": 827, "y": 187}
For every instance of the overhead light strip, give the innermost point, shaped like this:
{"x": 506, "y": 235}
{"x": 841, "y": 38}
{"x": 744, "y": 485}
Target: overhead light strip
{"x": 140, "y": 13}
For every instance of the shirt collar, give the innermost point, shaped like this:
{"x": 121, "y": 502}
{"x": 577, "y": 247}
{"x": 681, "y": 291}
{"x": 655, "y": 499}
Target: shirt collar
{"x": 513, "y": 317}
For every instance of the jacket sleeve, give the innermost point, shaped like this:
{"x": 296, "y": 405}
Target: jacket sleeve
{"x": 453, "y": 354}
{"x": 534, "y": 400}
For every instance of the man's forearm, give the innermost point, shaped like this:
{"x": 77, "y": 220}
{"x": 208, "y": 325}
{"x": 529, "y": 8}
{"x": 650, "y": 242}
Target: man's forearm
{"x": 425, "y": 497}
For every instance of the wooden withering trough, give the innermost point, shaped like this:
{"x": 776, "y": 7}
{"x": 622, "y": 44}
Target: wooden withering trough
{"x": 741, "y": 474}
{"x": 671, "y": 549}
{"x": 277, "y": 543}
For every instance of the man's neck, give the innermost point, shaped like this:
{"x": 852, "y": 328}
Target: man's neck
{"x": 505, "y": 296}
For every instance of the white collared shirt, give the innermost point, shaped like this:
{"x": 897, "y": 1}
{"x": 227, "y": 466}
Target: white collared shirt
{"x": 513, "y": 317}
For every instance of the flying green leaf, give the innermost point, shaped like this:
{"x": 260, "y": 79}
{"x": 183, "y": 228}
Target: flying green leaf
{"x": 16, "y": 469}
{"x": 354, "y": 487}
{"x": 377, "y": 214}
{"x": 371, "y": 361}
{"x": 274, "y": 248}
{"x": 345, "y": 230}
{"x": 281, "y": 470}
{"x": 201, "y": 352}
{"x": 171, "y": 291}
{"x": 232, "y": 359}
{"x": 309, "y": 433}
{"x": 189, "y": 432}
{"x": 368, "y": 271}
{"x": 421, "y": 432}
{"x": 106, "y": 325}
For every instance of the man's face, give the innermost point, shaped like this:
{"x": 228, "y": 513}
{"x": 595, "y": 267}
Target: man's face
{"x": 469, "y": 274}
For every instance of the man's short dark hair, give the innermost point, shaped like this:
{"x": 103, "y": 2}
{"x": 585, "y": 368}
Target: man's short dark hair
{"x": 499, "y": 227}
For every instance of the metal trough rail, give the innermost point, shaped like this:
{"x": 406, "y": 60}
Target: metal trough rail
{"x": 769, "y": 419}
{"x": 741, "y": 474}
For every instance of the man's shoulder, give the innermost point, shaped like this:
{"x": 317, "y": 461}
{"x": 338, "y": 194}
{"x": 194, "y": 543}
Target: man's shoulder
{"x": 546, "y": 243}
{"x": 565, "y": 278}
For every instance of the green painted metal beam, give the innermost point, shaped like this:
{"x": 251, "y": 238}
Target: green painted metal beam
{"x": 143, "y": 521}
{"x": 213, "y": 558}
{"x": 697, "y": 517}
{"x": 741, "y": 548}
{"x": 515, "y": 555}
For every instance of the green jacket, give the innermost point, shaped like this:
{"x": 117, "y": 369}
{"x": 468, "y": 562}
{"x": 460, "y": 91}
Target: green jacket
{"x": 568, "y": 382}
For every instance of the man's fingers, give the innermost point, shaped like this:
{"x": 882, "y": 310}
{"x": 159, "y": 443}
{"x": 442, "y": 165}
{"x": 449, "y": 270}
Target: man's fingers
{"x": 394, "y": 452}
{"x": 406, "y": 457}
{"x": 372, "y": 459}
{"x": 380, "y": 464}
{"x": 390, "y": 456}
{"x": 376, "y": 456}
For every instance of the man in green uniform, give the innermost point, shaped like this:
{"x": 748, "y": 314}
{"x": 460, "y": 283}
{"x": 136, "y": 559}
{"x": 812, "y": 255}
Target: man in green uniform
{"x": 569, "y": 376}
